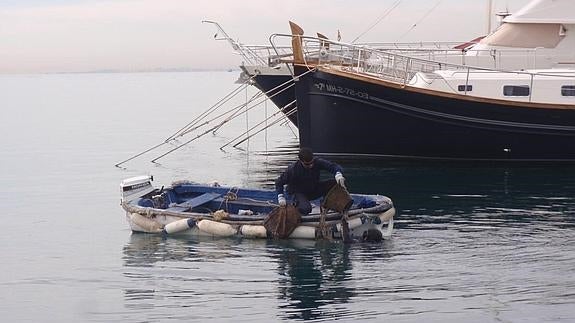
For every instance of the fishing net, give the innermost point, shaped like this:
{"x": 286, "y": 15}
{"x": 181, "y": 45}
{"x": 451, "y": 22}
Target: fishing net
{"x": 337, "y": 199}
{"x": 281, "y": 221}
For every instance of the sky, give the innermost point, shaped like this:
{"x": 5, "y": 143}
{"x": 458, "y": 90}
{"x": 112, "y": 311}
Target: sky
{"x": 45, "y": 36}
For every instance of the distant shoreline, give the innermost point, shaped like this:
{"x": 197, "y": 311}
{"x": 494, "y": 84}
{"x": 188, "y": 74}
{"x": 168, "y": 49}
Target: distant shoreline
{"x": 121, "y": 71}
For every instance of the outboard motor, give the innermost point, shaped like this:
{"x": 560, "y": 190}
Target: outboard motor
{"x": 136, "y": 187}
{"x": 372, "y": 235}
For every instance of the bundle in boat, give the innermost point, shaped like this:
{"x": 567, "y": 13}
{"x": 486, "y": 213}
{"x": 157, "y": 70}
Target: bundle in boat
{"x": 337, "y": 199}
{"x": 281, "y": 221}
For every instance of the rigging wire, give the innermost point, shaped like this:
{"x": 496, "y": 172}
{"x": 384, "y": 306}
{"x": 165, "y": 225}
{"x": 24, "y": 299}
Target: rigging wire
{"x": 186, "y": 128}
{"x": 266, "y": 134}
{"x": 247, "y": 132}
{"x": 278, "y": 120}
{"x": 386, "y": 13}
{"x": 421, "y": 19}
{"x": 238, "y": 111}
{"x": 213, "y": 108}
{"x": 283, "y": 118}
{"x": 231, "y": 114}
{"x": 247, "y": 118}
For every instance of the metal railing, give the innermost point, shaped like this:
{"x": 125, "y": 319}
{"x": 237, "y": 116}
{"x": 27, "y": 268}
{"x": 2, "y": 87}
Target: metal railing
{"x": 400, "y": 65}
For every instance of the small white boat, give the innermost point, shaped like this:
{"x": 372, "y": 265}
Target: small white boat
{"x": 211, "y": 210}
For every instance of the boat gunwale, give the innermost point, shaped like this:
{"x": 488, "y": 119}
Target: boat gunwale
{"x": 383, "y": 206}
{"x": 378, "y": 81}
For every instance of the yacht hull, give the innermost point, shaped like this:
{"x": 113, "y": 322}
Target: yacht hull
{"x": 350, "y": 115}
{"x": 277, "y": 86}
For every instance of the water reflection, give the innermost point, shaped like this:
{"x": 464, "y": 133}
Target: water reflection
{"x": 303, "y": 279}
{"x": 467, "y": 236}
{"x": 147, "y": 250}
{"x": 312, "y": 276}
{"x": 172, "y": 274}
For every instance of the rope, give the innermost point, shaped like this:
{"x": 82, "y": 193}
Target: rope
{"x": 266, "y": 126}
{"x": 186, "y": 128}
{"x": 237, "y": 112}
{"x": 282, "y": 109}
{"x": 213, "y": 108}
{"x": 234, "y": 112}
{"x": 289, "y": 125}
{"x": 248, "y": 121}
{"x": 420, "y": 20}
{"x": 267, "y": 202}
{"x": 378, "y": 21}
{"x": 231, "y": 195}
{"x": 257, "y": 125}
{"x": 213, "y": 129}
{"x": 323, "y": 227}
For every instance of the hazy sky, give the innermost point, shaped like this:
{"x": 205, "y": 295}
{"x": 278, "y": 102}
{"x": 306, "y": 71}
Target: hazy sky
{"x": 86, "y": 35}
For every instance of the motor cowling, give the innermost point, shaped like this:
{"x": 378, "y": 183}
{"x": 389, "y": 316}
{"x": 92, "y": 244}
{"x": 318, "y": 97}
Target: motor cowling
{"x": 136, "y": 187}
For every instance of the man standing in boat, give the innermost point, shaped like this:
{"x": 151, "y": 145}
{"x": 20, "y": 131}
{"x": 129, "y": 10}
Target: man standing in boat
{"x": 303, "y": 180}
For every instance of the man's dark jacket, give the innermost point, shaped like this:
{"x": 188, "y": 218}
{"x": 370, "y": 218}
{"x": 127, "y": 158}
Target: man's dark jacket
{"x": 304, "y": 180}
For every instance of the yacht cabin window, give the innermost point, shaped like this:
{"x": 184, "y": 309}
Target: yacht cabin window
{"x": 464, "y": 88}
{"x": 568, "y": 90}
{"x": 516, "y": 90}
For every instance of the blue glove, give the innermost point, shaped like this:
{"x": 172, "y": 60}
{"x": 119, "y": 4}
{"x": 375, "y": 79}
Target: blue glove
{"x": 281, "y": 200}
{"x": 340, "y": 179}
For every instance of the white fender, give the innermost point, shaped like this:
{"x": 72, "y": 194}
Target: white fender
{"x": 351, "y": 223}
{"x": 216, "y": 228}
{"x": 254, "y": 231}
{"x": 303, "y": 232}
{"x": 179, "y": 226}
{"x": 146, "y": 224}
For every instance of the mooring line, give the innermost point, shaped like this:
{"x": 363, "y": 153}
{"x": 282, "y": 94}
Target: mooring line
{"x": 218, "y": 104}
{"x": 236, "y": 114}
{"x": 257, "y": 125}
{"x": 214, "y": 107}
{"x": 281, "y": 118}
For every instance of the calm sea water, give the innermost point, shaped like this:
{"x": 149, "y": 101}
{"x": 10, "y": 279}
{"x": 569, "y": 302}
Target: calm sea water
{"x": 473, "y": 243}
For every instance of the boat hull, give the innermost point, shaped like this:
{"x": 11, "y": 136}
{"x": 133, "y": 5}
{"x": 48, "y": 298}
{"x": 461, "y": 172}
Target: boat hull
{"x": 275, "y": 85}
{"x": 211, "y": 210}
{"x": 157, "y": 223}
{"x": 348, "y": 115}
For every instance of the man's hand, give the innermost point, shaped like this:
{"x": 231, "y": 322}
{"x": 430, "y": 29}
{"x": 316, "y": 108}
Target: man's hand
{"x": 281, "y": 200}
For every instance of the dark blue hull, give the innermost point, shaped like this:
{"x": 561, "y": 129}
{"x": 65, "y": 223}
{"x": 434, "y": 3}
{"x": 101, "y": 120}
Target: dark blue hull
{"x": 345, "y": 115}
{"x": 267, "y": 83}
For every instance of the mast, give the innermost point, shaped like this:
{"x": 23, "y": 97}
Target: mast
{"x": 489, "y": 11}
